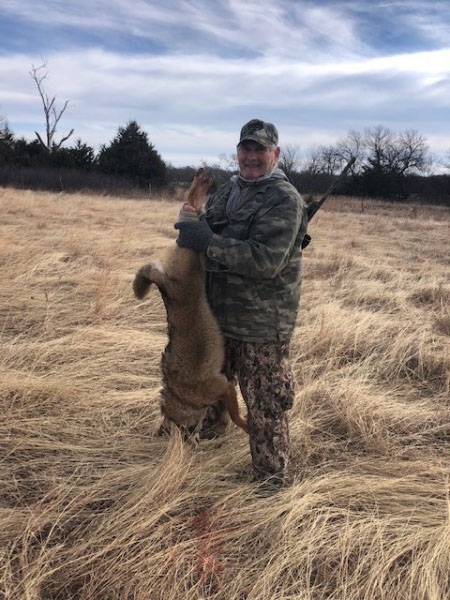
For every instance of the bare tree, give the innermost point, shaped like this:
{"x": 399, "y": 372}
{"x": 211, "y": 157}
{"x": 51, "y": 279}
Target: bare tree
{"x": 314, "y": 162}
{"x": 324, "y": 160}
{"x": 446, "y": 162}
{"x": 352, "y": 146}
{"x": 52, "y": 114}
{"x": 412, "y": 152}
{"x": 401, "y": 154}
{"x": 228, "y": 162}
{"x": 331, "y": 160}
{"x": 290, "y": 160}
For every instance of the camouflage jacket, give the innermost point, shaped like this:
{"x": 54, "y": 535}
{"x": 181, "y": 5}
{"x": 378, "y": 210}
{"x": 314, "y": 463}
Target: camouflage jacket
{"x": 253, "y": 262}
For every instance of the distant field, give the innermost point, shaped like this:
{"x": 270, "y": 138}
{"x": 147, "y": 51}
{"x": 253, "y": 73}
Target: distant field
{"x": 95, "y": 506}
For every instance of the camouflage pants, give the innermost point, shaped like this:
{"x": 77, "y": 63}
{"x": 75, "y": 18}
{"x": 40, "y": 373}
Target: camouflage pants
{"x": 266, "y": 381}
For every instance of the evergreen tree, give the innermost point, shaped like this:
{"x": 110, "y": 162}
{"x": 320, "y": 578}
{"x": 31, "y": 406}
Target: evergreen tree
{"x": 131, "y": 155}
{"x": 79, "y": 156}
{"x": 83, "y": 156}
{"x": 6, "y": 145}
{"x": 29, "y": 154}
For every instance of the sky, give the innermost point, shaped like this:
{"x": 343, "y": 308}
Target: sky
{"x": 192, "y": 72}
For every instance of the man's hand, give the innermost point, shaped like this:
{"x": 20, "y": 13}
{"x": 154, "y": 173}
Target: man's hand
{"x": 188, "y": 213}
{"x": 195, "y": 235}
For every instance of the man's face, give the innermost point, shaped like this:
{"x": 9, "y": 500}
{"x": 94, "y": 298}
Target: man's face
{"x": 255, "y": 160}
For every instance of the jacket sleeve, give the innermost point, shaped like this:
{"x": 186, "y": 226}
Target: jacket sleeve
{"x": 270, "y": 242}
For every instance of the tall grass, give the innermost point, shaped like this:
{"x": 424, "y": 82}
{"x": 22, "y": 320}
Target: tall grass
{"x": 95, "y": 506}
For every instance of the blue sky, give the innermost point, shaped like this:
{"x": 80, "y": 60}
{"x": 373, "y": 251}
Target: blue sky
{"x": 192, "y": 72}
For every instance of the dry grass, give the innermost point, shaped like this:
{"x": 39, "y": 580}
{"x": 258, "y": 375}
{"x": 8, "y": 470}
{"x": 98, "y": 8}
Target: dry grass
{"x": 94, "y": 506}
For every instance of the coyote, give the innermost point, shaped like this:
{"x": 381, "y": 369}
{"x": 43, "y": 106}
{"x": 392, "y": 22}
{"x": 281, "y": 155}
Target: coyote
{"x": 191, "y": 364}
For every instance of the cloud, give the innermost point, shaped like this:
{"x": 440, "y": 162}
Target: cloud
{"x": 251, "y": 28}
{"x": 192, "y": 72}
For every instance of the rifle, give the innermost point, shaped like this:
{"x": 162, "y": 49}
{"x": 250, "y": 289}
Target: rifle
{"x": 313, "y": 206}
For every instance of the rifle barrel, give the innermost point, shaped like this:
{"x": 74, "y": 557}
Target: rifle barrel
{"x": 314, "y": 206}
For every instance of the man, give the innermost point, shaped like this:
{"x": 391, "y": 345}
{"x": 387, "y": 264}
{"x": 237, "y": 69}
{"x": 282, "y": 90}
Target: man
{"x": 252, "y": 232}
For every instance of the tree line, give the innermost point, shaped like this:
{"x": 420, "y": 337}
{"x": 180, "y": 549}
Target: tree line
{"x": 129, "y": 157}
{"x": 388, "y": 164}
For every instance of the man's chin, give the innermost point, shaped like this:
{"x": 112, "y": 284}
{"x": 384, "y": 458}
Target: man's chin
{"x": 251, "y": 173}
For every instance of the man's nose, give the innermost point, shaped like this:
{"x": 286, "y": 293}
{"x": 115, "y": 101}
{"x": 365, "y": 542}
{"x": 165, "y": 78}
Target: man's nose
{"x": 252, "y": 154}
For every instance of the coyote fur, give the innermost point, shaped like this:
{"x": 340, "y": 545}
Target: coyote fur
{"x": 192, "y": 362}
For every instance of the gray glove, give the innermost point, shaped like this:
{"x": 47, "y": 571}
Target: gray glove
{"x": 189, "y": 215}
{"x": 195, "y": 235}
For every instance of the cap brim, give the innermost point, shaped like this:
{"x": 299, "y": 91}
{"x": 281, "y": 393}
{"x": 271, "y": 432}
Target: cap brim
{"x": 251, "y": 138}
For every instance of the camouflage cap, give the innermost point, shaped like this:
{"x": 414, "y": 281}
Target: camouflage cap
{"x": 261, "y": 132}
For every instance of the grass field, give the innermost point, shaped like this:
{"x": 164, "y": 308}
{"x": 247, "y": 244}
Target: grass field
{"x": 95, "y": 506}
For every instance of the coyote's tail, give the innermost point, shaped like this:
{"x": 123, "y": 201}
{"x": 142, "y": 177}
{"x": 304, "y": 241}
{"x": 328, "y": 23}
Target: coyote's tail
{"x": 142, "y": 283}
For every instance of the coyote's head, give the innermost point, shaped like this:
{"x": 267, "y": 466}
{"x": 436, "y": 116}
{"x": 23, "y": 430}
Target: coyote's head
{"x": 187, "y": 417}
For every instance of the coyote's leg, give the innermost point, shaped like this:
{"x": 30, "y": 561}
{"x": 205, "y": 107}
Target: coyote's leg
{"x": 229, "y": 398}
